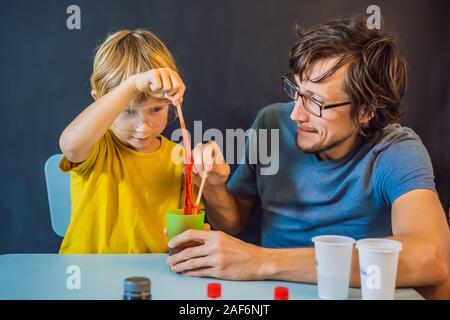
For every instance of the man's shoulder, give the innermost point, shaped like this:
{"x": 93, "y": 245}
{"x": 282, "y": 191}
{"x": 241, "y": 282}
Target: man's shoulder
{"x": 270, "y": 116}
{"x": 401, "y": 163}
{"x": 395, "y": 137}
{"x": 400, "y": 149}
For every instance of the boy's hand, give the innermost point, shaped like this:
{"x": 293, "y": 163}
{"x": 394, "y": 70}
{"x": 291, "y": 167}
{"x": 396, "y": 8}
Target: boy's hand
{"x": 162, "y": 83}
{"x": 208, "y": 159}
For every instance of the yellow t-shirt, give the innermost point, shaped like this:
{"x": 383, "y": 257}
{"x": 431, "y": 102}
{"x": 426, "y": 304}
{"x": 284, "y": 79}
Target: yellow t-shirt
{"x": 119, "y": 198}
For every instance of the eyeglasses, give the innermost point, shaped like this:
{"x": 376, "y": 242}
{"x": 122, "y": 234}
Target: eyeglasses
{"x": 132, "y": 118}
{"x": 311, "y": 105}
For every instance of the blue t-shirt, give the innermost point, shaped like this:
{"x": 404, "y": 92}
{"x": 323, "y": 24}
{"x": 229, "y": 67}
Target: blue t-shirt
{"x": 351, "y": 196}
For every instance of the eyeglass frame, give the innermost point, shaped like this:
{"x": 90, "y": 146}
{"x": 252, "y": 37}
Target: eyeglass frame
{"x": 170, "y": 119}
{"x": 322, "y": 106}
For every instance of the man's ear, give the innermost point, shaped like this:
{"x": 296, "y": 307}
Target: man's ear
{"x": 365, "y": 116}
{"x": 94, "y": 94}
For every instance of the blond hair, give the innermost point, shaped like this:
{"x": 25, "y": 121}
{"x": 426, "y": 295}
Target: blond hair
{"x": 125, "y": 53}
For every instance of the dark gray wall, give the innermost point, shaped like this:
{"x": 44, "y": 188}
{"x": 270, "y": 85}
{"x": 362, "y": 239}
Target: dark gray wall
{"x": 231, "y": 53}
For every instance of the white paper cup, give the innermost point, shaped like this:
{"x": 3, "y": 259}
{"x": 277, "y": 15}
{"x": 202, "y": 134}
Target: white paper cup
{"x": 333, "y": 262}
{"x": 378, "y": 260}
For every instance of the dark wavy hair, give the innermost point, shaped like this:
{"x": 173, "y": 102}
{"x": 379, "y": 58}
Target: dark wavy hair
{"x": 376, "y": 76}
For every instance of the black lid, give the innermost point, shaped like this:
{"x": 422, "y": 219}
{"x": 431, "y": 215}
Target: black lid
{"x": 136, "y": 284}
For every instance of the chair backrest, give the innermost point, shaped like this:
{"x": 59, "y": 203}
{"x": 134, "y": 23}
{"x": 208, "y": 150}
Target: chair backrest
{"x": 58, "y": 191}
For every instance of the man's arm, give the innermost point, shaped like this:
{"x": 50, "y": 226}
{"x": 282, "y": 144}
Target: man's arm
{"x": 418, "y": 222}
{"x": 418, "y": 219}
{"x": 226, "y": 212}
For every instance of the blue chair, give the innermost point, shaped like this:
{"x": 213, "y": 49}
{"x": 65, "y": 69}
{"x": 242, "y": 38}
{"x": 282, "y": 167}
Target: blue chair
{"x": 58, "y": 191}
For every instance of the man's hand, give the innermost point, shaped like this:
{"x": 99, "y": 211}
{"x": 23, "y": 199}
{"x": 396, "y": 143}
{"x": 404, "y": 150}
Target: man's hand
{"x": 220, "y": 256}
{"x": 226, "y": 212}
{"x": 208, "y": 159}
{"x": 162, "y": 83}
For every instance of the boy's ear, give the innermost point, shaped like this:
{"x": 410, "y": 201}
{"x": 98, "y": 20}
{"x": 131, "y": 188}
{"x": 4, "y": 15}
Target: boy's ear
{"x": 94, "y": 94}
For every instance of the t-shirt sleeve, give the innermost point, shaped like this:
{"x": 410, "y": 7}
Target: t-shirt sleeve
{"x": 402, "y": 166}
{"x": 244, "y": 180}
{"x": 85, "y": 167}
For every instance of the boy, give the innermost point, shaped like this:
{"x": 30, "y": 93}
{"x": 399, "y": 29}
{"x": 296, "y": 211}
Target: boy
{"x": 122, "y": 176}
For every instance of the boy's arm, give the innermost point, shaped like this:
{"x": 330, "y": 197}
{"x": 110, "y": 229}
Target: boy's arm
{"x": 79, "y": 137}
{"x": 89, "y": 126}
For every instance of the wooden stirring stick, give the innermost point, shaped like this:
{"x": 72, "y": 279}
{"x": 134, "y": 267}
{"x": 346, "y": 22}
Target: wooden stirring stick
{"x": 186, "y": 141}
{"x": 200, "y": 190}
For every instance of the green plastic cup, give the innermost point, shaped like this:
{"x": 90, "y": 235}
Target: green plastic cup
{"x": 178, "y": 222}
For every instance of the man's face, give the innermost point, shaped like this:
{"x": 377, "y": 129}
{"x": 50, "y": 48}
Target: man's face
{"x": 139, "y": 125}
{"x": 334, "y": 134}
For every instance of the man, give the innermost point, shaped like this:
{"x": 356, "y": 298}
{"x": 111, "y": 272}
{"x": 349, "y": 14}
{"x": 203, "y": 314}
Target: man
{"x": 345, "y": 168}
